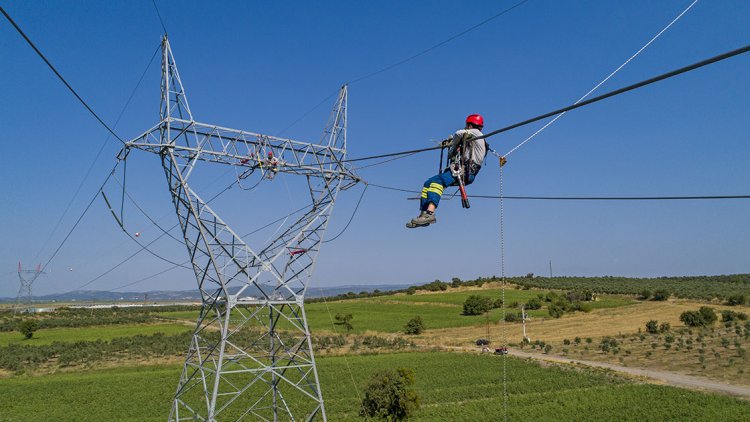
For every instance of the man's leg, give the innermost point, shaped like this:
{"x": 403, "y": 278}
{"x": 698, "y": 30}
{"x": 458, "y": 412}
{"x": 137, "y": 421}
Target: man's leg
{"x": 430, "y": 198}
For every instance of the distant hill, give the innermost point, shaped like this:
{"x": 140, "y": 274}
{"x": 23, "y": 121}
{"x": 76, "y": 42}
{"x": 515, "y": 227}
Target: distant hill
{"x": 188, "y": 295}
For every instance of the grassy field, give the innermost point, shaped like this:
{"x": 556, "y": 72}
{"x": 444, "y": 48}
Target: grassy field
{"x": 438, "y": 310}
{"x": 470, "y": 394}
{"x": 108, "y": 332}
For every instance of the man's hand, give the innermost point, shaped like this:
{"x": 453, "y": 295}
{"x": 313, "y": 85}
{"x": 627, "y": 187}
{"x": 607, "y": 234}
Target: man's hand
{"x": 445, "y": 143}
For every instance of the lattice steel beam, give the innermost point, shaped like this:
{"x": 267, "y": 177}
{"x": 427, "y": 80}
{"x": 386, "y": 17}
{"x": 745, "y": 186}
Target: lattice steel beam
{"x": 251, "y": 355}
{"x": 25, "y": 299}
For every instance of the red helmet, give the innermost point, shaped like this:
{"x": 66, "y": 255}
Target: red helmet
{"x": 475, "y": 119}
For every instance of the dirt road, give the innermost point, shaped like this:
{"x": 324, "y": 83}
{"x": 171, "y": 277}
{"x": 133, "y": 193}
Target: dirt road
{"x": 670, "y": 378}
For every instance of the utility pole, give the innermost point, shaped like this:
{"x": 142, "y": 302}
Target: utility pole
{"x": 251, "y": 356}
{"x": 24, "y": 300}
{"x": 523, "y": 320}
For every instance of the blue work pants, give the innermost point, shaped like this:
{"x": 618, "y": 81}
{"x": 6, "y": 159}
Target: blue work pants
{"x": 433, "y": 188}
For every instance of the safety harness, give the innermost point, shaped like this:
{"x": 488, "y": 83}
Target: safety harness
{"x": 459, "y": 163}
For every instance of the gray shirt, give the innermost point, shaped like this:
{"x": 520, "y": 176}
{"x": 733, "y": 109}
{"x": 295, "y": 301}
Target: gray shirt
{"x": 475, "y": 149}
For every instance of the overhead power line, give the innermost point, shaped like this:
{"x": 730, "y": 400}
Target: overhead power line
{"x": 403, "y": 61}
{"x": 441, "y": 43}
{"x": 641, "y": 84}
{"x": 582, "y": 198}
{"x": 613, "y": 73}
{"x": 93, "y": 113}
{"x": 96, "y": 158}
{"x": 632, "y": 87}
{"x": 161, "y": 21}
{"x": 78, "y": 221}
{"x": 614, "y": 198}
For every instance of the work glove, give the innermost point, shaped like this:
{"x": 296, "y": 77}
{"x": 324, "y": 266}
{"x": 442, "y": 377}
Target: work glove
{"x": 445, "y": 143}
{"x": 503, "y": 161}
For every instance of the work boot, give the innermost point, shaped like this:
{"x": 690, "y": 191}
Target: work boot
{"x": 423, "y": 220}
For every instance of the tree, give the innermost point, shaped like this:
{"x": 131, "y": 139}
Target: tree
{"x": 477, "y": 305}
{"x": 27, "y": 328}
{"x": 389, "y": 395}
{"x": 456, "y": 282}
{"x": 344, "y": 320}
{"x": 652, "y": 326}
{"x": 414, "y": 326}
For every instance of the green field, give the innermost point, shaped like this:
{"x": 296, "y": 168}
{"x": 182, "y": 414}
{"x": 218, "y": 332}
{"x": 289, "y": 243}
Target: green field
{"x": 447, "y": 394}
{"x": 390, "y": 313}
{"x": 106, "y": 332}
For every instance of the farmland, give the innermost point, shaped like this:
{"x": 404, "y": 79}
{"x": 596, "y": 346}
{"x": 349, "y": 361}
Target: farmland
{"x": 438, "y": 310}
{"x": 104, "y": 332}
{"x": 135, "y": 355}
{"x": 699, "y": 287}
{"x": 475, "y": 392}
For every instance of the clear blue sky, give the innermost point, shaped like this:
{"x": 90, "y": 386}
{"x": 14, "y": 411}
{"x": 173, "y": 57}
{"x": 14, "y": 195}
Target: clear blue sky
{"x": 259, "y": 66}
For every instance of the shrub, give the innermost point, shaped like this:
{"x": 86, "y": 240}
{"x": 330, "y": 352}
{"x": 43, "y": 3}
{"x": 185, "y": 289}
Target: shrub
{"x": 27, "y": 328}
{"x": 664, "y": 327}
{"x": 534, "y": 304}
{"x": 652, "y": 326}
{"x": 389, "y": 395}
{"x": 661, "y": 295}
{"x": 414, "y": 326}
{"x": 547, "y": 348}
{"x": 644, "y": 295}
{"x": 498, "y": 303}
{"x": 735, "y": 300}
{"x": 477, "y": 305}
{"x": 708, "y": 314}
{"x": 703, "y": 317}
{"x": 555, "y": 311}
{"x": 344, "y": 320}
{"x": 692, "y": 319}
{"x": 511, "y": 317}
{"x": 584, "y": 295}
{"x": 727, "y": 316}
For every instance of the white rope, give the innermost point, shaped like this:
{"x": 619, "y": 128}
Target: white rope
{"x": 605, "y": 79}
{"x": 503, "y": 333}
{"x": 346, "y": 361}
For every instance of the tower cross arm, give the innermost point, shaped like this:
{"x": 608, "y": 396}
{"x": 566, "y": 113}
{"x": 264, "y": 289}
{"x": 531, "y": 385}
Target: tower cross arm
{"x": 199, "y": 141}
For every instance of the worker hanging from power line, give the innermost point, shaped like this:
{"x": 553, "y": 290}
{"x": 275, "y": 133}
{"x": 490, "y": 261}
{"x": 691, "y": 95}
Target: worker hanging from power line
{"x": 465, "y": 156}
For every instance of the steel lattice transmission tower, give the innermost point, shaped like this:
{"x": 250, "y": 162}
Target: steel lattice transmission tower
{"x": 24, "y": 300}
{"x": 251, "y": 355}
